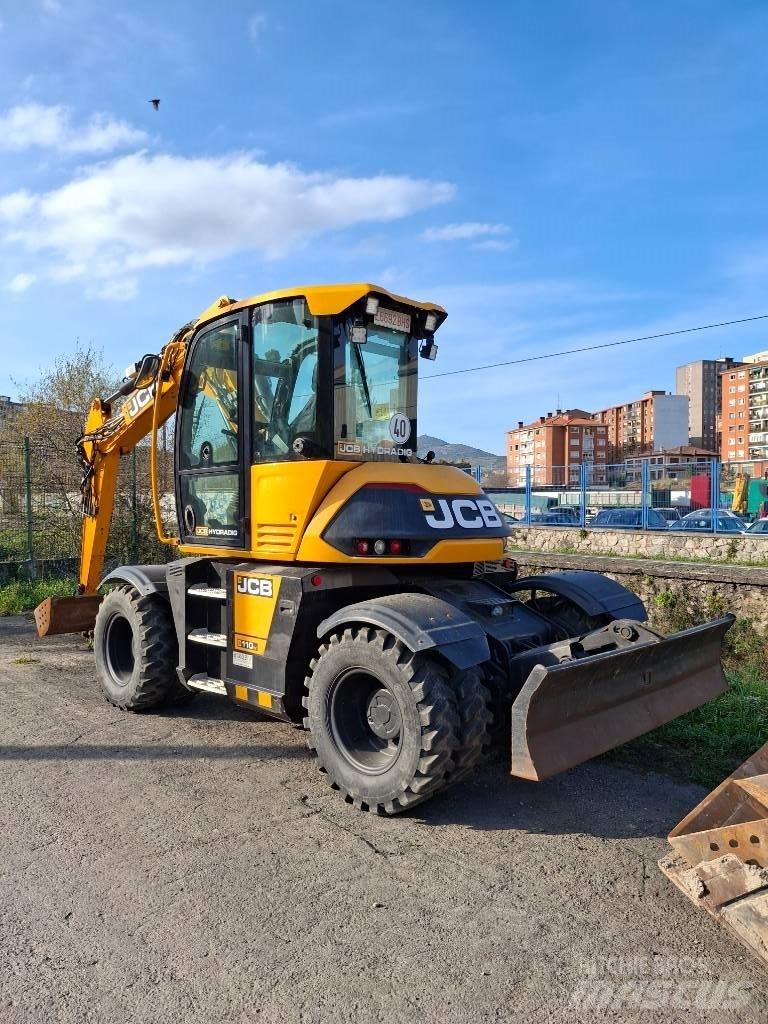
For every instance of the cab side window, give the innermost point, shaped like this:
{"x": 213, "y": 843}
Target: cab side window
{"x": 284, "y": 378}
{"x": 209, "y": 420}
{"x": 209, "y": 439}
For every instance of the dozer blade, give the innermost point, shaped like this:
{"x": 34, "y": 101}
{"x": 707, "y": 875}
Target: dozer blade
{"x": 720, "y": 854}
{"x": 568, "y": 713}
{"x": 66, "y": 614}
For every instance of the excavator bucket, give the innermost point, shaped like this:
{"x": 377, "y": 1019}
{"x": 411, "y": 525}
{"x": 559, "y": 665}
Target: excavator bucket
{"x": 720, "y": 854}
{"x": 66, "y": 615}
{"x": 582, "y": 704}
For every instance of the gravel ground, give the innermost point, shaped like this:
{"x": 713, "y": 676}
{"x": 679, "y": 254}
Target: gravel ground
{"x": 193, "y": 866}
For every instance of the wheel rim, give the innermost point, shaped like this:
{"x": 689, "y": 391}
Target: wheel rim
{"x": 118, "y": 649}
{"x": 365, "y": 721}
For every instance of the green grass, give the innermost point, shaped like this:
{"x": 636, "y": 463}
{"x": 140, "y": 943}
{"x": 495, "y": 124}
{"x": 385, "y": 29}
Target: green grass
{"x": 22, "y": 595}
{"x": 706, "y": 745}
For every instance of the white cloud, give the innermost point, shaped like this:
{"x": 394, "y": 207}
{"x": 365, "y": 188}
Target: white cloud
{"x": 257, "y": 25}
{"x": 50, "y": 127}
{"x": 494, "y": 245}
{"x": 467, "y": 231}
{"x": 20, "y": 282}
{"x": 52, "y": 7}
{"x": 116, "y": 219}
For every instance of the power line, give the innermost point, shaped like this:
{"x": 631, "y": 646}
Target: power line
{"x": 592, "y": 348}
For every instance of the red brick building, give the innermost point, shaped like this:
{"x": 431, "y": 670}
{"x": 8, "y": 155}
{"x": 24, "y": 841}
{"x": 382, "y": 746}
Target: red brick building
{"x": 554, "y": 446}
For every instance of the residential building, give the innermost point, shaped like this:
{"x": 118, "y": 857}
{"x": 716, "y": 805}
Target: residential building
{"x": 554, "y": 446}
{"x": 652, "y": 423}
{"x": 742, "y": 401}
{"x": 701, "y": 381}
{"x": 673, "y": 463}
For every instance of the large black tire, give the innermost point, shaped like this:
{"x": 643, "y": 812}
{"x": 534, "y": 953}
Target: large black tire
{"x": 383, "y": 720}
{"x": 473, "y": 704}
{"x": 136, "y": 651}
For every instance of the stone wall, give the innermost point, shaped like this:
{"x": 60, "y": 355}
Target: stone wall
{"x": 727, "y": 548}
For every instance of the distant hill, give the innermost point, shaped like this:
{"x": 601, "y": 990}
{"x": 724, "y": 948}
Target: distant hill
{"x": 447, "y": 452}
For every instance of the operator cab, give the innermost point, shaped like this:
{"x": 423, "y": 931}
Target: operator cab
{"x": 290, "y": 379}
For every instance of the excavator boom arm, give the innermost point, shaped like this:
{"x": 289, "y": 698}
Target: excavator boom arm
{"x": 107, "y": 436}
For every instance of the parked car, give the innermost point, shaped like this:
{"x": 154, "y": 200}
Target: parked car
{"x": 555, "y": 517}
{"x": 701, "y": 522}
{"x": 629, "y": 519}
{"x": 759, "y": 526}
{"x": 672, "y": 515}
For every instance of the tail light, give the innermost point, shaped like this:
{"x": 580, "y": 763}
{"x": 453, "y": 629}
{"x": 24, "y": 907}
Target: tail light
{"x": 380, "y": 548}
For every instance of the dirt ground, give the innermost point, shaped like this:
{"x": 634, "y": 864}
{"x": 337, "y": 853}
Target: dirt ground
{"x": 193, "y": 866}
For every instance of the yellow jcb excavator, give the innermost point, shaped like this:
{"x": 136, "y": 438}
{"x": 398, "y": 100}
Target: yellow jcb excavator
{"x": 328, "y": 576}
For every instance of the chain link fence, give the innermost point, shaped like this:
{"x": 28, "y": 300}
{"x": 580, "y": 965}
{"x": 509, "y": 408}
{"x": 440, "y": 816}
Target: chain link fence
{"x": 40, "y": 519}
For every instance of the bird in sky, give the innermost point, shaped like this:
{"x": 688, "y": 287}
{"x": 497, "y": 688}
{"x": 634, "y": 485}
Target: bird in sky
{"x": 155, "y": 104}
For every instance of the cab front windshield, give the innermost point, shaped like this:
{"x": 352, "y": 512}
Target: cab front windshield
{"x": 375, "y": 394}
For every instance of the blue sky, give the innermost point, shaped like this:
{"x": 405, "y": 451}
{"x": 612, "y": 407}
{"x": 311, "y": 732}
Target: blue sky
{"x": 554, "y": 174}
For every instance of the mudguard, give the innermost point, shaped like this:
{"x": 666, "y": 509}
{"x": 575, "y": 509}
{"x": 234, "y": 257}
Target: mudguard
{"x": 145, "y": 579}
{"x": 421, "y": 622}
{"x": 595, "y": 594}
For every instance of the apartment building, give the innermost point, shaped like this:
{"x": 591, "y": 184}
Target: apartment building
{"x": 9, "y": 409}
{"x": 701, "y": 382}
{"x": 744, "y": 411}
{"x": 656, "y": 421}
{"x": 554, "y": 446}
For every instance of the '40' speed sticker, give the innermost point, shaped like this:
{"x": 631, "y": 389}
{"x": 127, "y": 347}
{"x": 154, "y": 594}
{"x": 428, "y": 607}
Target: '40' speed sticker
{"x": 399, "y": 427}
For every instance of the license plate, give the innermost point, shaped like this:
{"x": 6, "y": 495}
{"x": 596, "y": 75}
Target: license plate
{"x": 392, "y": 319}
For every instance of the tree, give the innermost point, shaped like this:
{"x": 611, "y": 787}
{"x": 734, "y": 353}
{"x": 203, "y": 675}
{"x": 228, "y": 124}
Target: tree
{"x": 56, "y": 404}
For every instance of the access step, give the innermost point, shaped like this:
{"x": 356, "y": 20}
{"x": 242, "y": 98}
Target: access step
{"x": 204, "y": 636}
{"x": 200, "y": 681}
{"x": 212, "y": 593}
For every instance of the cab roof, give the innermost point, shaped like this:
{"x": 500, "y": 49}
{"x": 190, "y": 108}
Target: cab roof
{"x": 322, "y": 299}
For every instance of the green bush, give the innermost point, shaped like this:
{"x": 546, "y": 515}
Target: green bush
{"x": 22, "y": 595}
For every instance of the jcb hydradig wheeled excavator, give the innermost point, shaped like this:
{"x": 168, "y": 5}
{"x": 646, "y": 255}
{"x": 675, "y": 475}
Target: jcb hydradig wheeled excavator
{"x": 329, "y": 577}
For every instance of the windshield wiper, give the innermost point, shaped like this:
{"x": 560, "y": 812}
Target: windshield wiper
{"x": 363, "y": 378}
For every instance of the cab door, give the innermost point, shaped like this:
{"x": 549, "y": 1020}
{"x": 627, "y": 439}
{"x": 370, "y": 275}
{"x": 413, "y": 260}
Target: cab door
{"x": 211, "y": 441}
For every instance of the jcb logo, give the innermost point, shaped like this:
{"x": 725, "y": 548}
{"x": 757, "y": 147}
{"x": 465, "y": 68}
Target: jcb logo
{"x": 140, "y": 400}
{"x": 469, "y": 513}
{"x": 254, "y": 587}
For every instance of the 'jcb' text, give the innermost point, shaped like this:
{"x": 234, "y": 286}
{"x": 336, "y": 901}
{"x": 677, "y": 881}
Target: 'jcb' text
{"x": 469, "y": 513}
{"x": 254, "y": 587}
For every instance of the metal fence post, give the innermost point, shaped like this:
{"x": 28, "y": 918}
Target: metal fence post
{"x": 583, "y": 485}
{"x": 527, "y": 513}
{"x": 645, "y": 492}
{"x": 134, "y": 510}
{"x": 28, "y": 496}
{"x": 714, "y": 491}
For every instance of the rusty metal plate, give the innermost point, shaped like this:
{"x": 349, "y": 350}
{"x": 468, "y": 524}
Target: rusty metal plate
{"x": 57, "y": 615}
{"x": 568, "y": 713}
{"x": 732, "y": 818}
